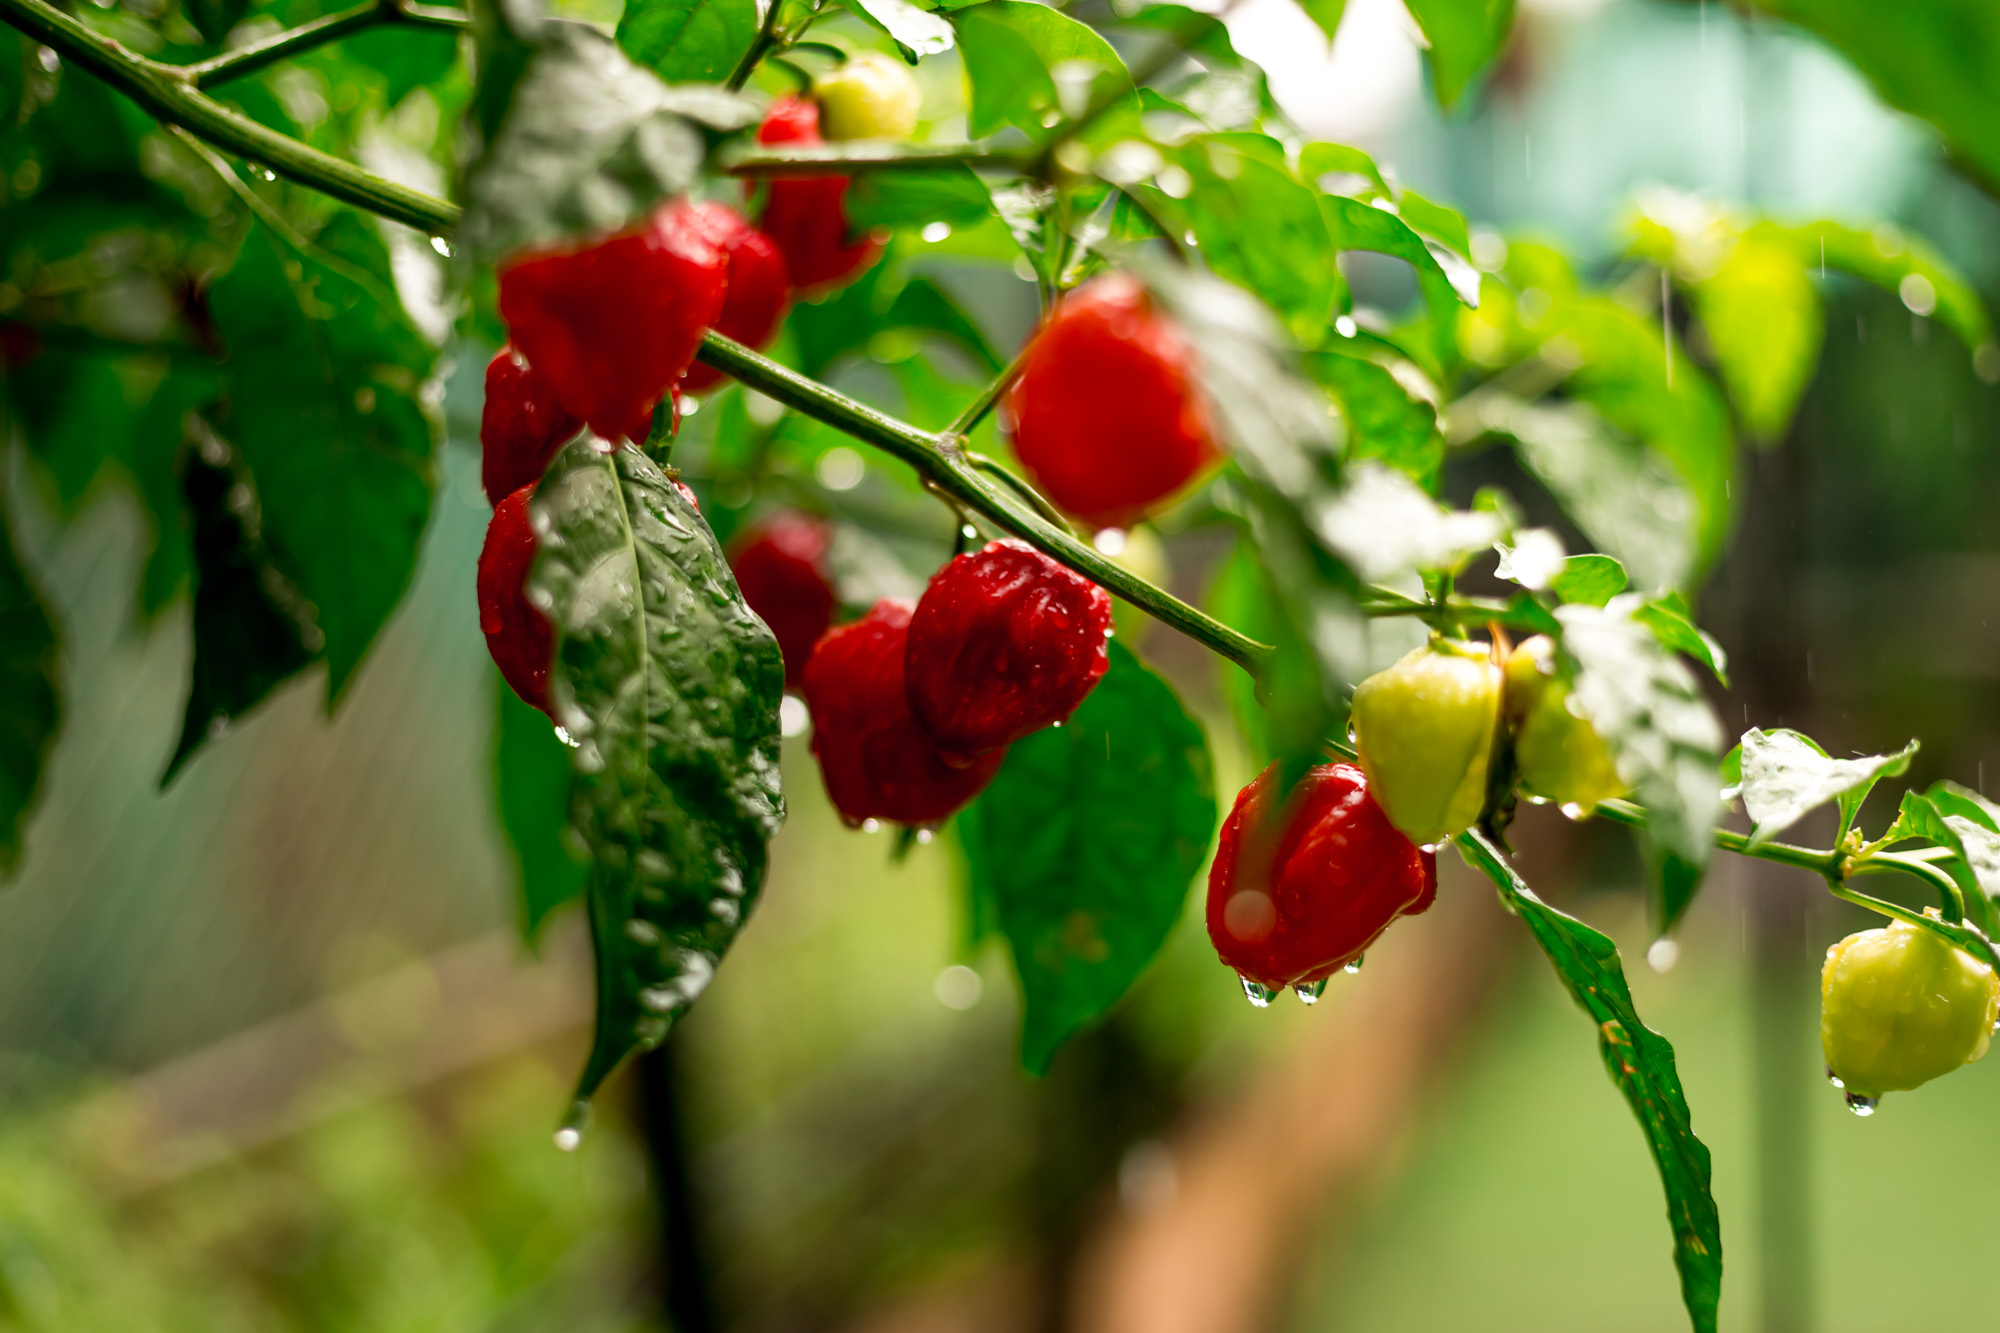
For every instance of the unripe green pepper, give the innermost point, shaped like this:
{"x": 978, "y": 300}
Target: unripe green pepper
{"x": 1425, "y": 729}
{"x": 1899, "y": 1007}
{"x": 871, "y": 96}
{"x": 1559, "y": 756}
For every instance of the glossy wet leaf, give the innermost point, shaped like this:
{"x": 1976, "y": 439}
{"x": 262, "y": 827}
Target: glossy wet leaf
{"x": 1385, "y": 420}
{"x": 1786, "y": 774}
{"x": 1651, "y": 713}
{"x": 1593, "y": 579}
{"x": 1641, "y": 1062}
{"x": 324, "y": 383}
{"x": 1011, "y": 49}
{"x": 253, "y": 628}
{"x": 1672, "y": 622}
{"x": 31, "y": 686}
{"x": 584, "y": 141}
{"x": 1085, "y": 845}
{"x": 688, "y": 41}
{"x": 670, "y": 687}
{"x": 917, "y": 32}
{"x": 531, "y": 780}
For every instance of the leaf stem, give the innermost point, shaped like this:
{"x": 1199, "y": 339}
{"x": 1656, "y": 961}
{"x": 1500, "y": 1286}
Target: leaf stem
{"x": 942, "y": 462}
{"x": 330, "y": 28}
{"x": 975, "y": 411}
{"x": 1039, "y": 502}
{"x": 166, "y": 94}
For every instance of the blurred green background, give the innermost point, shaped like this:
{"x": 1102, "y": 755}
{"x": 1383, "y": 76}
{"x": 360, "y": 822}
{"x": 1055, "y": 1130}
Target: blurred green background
{"x": 273, "y": 1059}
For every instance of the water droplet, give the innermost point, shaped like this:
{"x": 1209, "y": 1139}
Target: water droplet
{"x": 1257, "y": 993}
{"x": 793, "y": 718}
{"x": 265, "y": 174}
{"x": 1309, "y": 991}
{"x": 958, "y": 987}
{"x": 1862, "y": 1106}
{"x": 969, "y": 532}
{"x": 1834, "y": 1078}
{"x": 441, "y": 245}
{"x": 935, "y": 231}
{"x": 1109, "y": 542}
{"x": 871, "y": 826}
{"x": 1354, "y": 964}
{"x": 926, "y": 836}
{"x": 1572, "y": 811}
{"x": 1663, "y": 954}
{"x": 569, "y": 1138}
{"x": 1056, "y": 725}
{"x": 1345, "y": 326}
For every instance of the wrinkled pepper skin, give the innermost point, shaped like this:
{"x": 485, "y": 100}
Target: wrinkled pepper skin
{"x": 757, "y": 288}
{"x": 1296, "y": 905}
{"x": 611, "y": 324}
{"x": 1900, "y": 1007}
{"x": 1559, "y": 756}
{"x": 1004, "y": 642}
{"x": 1107, "y": 416}
{"x": 806, "y": 216}
{"x": 518, "y": 636}
{"x": 781, "y": 567}
{"x": 876, "y": 758}
{"x": 521, "y": 426}
{"x": 1425, "y": 729}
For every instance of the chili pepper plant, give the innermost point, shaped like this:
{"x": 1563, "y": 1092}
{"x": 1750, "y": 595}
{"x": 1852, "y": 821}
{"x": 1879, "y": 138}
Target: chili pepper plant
{"x": 658, "y": 244}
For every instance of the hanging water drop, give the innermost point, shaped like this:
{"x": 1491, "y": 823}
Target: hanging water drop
{"x": 1834, "y": 1078}
{"x": 926, "y": 835}
{"x": 871, "y": 826}
{"x": 1257, "y": 993}
{"x": 1862, "y": 1106}
{"x": 1309, "y": 991}
{"x": 1572, "y": 811}
{"x": 1354, "y": 965}
{"x": 569, "y": 1138}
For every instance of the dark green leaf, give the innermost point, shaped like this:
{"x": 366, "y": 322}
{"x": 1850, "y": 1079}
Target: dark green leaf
{"x": 916, "y": 32}
{"x": 1010, "y": 48}
{"x": 587, "y": 141}
{"x": 1594, "y": 579}
{"x": 1464, "y": 37}
{"x": 531, "y": 779}
{"x": 324, "y": 384}
{"x": 669, "y": 685}
{"x": 31, "y": 684}
{"x": 688, "y": 41}
{"x": 824, "y": 331}
{"x": 1085, "y": 845}
{"x": 1384, "y": 419}
{"x": 1641, "y": 1062}
{"x": 1651, "y": 713}
{"x": 253, "y": 629}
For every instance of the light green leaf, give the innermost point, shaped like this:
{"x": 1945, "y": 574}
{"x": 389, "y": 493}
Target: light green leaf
{"x": 669, "y": 685}
{"x": 1012, "y": 50}
{"x": 916, "y": 32}
{"x": 1763, "y": 320}
{"x": 1085, "y": 845}
{"x": 1786, "y": 774}
{"x": 1591, "y": 579}
{"x": 1385, "y": 420}
{"x": 688, "y": 41}
{"x": 1906, "y": 265}
{"x": 1641, "y": 1062}
{"x": 1383, "y": 524}
{"x": 1325, "y": 13}
{"x": 1319, "y": 160}
{"x": 1670, "y": 619}
{"x": 1464, "y": 36}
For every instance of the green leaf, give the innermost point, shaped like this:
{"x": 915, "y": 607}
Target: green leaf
{"x": 1897, "y": 262}
{"x": 1320, "y": 160}
{"x": 916, "y": 32}
{"x": 669, "y": 685}
{"x": 1326, "y": 14}
{"x": 1464, "y": 37}
{"x": 688, "y": 41}
{"x": 1434, "y": 219}
{"x": 1763, "y": 320}
{"x": 1592, "y": 579}
{"x": 1786, "y": 774}
{"x": 1669, "y": 618}
{"x": 1385, "y": 526}
{"x": 1641, "y": 1062}
{"x": 586, "y": 141}
{"x": 324, "y": 384}
{"x": 1011, "y": 48}
{"x": 822, "y": 332}
{"x": 1385, "y": 420}
{"x": 1085, "y": 845}
{"x": 1651, "y": 713}
{"x": 1355, "y": 225}
{"x": 1624, "y": 498}
{"x": 253, "y": 629}
{"x": 1941, "y": 817}
{"x": 1938, "y": 59}
{"x": 531, "y": 780}
{"x": 912, "y": 197}
{"x": 31, "y": 684}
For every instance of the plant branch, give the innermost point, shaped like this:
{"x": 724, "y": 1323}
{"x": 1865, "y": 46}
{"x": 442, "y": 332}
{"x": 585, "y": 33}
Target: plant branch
{"x": 165, "y": 93}
{"x": 976, "y": 410}
{"x": 940, "y": 461}
{"x": 331, "y": 28}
